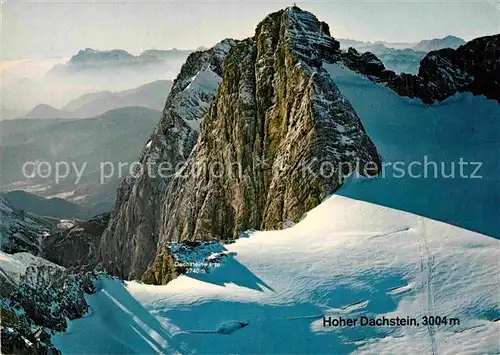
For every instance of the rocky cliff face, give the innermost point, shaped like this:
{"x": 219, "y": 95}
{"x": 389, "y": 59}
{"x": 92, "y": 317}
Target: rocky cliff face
{"x": 438, "y": 43}
{"x": 474, "y": 67}
{"x": 129, "y": 243}
{"x": 276, "y": 141}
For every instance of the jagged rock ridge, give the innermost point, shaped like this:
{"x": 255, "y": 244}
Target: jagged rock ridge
{"x": 439, "y": 43}
{"x": 129, "y": 243}
{"x": 37, "y": 298}
{"x": 474, "y": 67}
{"x": 278, "y": 120}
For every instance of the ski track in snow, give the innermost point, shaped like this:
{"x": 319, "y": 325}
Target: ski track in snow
{"x": 426, "y": 266}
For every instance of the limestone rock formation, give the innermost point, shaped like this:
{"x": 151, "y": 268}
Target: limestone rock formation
{"x": 278, "y": 139}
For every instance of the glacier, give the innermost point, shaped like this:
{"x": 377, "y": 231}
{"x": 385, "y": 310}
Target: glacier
{"x": 347, "y": 258}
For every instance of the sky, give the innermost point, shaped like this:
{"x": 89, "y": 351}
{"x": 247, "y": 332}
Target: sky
{"x": 36, "y": 29}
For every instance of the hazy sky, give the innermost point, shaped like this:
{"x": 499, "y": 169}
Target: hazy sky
{"x": 34, "y": 29}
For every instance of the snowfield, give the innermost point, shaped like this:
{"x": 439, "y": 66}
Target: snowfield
{"x": 379, "y": 247}
{"x": 404, "y": 130}
{"x": 347, "y": 258}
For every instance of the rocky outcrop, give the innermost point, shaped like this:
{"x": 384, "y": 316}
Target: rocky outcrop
{"x": 75, "y": 243}
{"x": 428, "y": 45}
{"x": 129, "y": 243}
{"x": 20, "y": 337}
{"x": 366, "y": 63}
{"x": 277, "y": 140}
{"x": 473, "y": 67}
{"x": 37, "y": 298}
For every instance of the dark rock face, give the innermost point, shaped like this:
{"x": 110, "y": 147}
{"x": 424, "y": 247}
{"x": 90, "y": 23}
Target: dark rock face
{"x": 473, "y": 67}
{"x": 366, "y": 63}
{"x": 272, "y": 144}
{"x": 18, "y": 337}
{"x": 76, "y": 246}
{"x": 129, "y": 243}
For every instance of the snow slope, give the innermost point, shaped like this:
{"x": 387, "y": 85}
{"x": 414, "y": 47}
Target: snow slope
{"x": 405, "y": 130}
{"x": 13, "y": 266}
{"x": 194, "y": 98}
{"x": 346, "y": 258}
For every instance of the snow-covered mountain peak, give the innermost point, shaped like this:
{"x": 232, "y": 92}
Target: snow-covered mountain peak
{"x": 308, "y": 36}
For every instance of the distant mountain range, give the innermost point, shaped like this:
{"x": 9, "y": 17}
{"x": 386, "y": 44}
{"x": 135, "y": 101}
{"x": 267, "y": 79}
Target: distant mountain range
{"x": 52, "y": 207}
{"x": 151, "y": 95}
{"x": 439, "y": 43}
{"x": 402, "y": 57}
{"x": 92, "y": 59}
{"x": 115, "y": 136}
{"x": 47, "y": 111}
